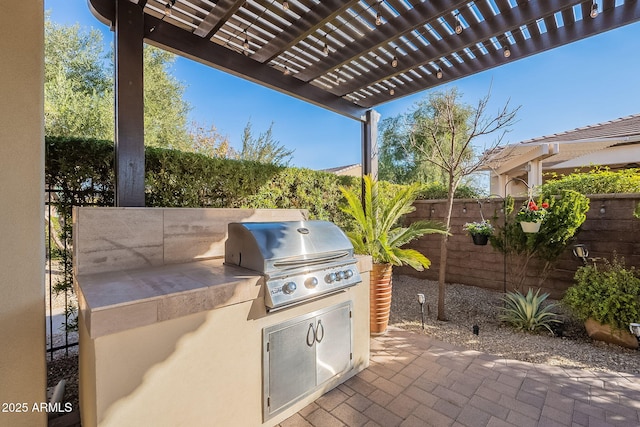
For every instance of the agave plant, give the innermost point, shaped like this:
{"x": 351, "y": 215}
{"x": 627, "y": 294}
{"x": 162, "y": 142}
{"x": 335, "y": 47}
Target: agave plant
{"x": 376, "y": 231}
{"x": 528, "y": 312}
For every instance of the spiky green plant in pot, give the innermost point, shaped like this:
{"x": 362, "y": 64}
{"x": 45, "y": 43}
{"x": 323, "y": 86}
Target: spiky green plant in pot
{"x": 377, "y": 232}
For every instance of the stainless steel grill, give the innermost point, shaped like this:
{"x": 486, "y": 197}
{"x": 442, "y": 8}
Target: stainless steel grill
{"x": 300, "y": 260}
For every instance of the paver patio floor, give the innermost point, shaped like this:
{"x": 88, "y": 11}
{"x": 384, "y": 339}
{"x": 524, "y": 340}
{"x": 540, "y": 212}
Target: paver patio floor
{"x": 414, "y": 380}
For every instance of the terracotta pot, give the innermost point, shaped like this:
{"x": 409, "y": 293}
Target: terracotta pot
{"x": 480, "y": 239}
{"x": 600, "y": 332}
{"x": 380, "y": 298}
{"x": 530, "y": 227}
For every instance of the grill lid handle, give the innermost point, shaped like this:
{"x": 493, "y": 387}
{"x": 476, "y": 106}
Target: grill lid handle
{"x": 297, "y": 262}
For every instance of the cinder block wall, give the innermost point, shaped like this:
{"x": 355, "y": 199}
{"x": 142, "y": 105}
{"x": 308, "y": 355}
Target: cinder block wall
{"x": 610, "y": 226}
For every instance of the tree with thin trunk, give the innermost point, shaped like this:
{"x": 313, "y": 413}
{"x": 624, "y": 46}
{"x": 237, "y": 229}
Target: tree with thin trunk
{"x": 263, "y": 148}
{"x": 443, "y": 129}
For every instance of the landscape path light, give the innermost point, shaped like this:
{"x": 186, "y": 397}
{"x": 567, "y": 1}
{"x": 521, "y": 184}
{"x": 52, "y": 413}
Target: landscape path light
{"x": 421, "y": 300}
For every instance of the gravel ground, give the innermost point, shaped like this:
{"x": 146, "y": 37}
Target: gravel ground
{"x": 65, "y": 367}
{"x": 466, "y": 306}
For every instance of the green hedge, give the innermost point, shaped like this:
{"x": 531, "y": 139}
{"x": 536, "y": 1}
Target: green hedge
{"x": 81, "y": 170}
{"x": 596, "y": 181}
{"x": 178, "y": 179}
{"x": 437, "y": 190}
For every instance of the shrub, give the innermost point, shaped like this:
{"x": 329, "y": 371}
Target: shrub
{"x": 175, "y": 178}
{"x": 436, "y": 190}
{"x": 596, "y": 181}
{"x": 528, "y": 312}
{"x": 563, "y": 218}
{"x": 609, "y": 293}
{"x": 294, "y": 188}
{"x": 82, "y": 172}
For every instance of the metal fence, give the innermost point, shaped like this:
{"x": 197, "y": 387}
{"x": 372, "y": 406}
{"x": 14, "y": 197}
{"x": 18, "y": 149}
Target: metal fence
{"x": 61, "y": 302}
{"x": 61, "y": 307}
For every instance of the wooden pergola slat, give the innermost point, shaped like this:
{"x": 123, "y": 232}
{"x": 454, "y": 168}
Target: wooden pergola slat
{"x": 359, "y": 48}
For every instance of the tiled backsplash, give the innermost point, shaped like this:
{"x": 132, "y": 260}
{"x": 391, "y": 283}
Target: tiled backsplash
{"x": 112, "y": 239}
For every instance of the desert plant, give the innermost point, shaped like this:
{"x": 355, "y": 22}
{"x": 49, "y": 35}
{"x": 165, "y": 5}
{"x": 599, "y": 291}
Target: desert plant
{"x": 528, "y": 312}
{"x": 376, "y": 231}
{"x": 608, "y": 293}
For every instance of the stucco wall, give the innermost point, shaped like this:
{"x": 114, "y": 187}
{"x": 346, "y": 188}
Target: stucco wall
{"x": 22, "y": 359}
{"x": 609, "y": 227}
{"x": 201, "y": 369}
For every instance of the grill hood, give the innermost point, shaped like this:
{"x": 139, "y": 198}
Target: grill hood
{"x": 271, "y": 247}
{"x": 300, "y": 260}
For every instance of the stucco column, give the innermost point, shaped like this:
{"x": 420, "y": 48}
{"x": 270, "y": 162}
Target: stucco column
{"x": 22, "y": 310}
{"x": 534, "y": 173}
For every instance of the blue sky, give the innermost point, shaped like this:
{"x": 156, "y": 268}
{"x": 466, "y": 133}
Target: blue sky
{"x": 584, "y": 83}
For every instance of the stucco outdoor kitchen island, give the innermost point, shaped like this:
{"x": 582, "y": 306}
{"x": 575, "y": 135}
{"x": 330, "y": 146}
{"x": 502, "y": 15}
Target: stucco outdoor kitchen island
{"x": 170, "y": 335}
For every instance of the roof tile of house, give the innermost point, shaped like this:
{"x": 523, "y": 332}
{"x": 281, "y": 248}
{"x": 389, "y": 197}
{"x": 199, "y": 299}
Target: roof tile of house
{"x": 622, "y": 127}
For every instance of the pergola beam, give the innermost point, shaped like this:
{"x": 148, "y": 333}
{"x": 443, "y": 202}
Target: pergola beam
{"x": 318, "y": 16}
{"x": 536, "y": 152}
{"x": 211, "y": 24}
{"x": 292, "y": 41}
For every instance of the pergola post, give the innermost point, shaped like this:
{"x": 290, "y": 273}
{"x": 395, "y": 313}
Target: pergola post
{"x": 369, "y": 147}
{"x": 370, "y": 144}
{"x": 129, "y": 104}
{"x": 534, "y": 173}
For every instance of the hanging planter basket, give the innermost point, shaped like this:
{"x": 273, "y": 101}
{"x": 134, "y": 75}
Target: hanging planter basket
{"x": 480, "y": 239}
{"x": 479, "y": 231}
{"x": 531, "y": 215}
{"x": 530, "y": 227}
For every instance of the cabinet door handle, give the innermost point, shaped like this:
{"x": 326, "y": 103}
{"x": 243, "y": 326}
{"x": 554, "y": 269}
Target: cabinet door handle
{"x": 311, "y": 335}
{"x": 320, "y": 332}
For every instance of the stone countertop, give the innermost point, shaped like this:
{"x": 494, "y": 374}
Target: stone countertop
{"x": 115, "y": 301}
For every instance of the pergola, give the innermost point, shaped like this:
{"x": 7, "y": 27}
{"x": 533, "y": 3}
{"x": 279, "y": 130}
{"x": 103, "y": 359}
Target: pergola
{"x": 346, "y": 56}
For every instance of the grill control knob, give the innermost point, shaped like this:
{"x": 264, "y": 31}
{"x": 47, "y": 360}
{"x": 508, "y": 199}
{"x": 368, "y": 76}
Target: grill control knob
{"x": 311, "y": 282}
{"x": 348, "y": 273}
{"x": 340, "y": 275}
{"x": 289, "y": 288}
{"x": 331, "y": 277}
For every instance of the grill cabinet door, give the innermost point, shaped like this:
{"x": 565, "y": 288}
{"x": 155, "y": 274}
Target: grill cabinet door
{"x": 333, "y": 343}
{"x": 292, "y": 363}
{"x": 303, "y": 353}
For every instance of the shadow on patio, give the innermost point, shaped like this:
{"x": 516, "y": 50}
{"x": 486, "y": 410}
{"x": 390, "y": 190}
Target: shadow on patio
{"x": 414, "y": 380}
